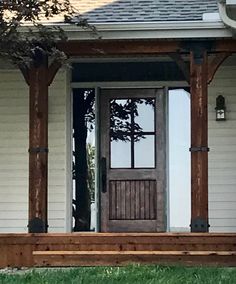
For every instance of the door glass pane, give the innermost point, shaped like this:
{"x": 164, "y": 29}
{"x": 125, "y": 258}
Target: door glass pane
{"x": 120, "y": 118}
{"x": 120, "y": 133}
{"x": 120, "y": 154}
{"x": 132, "y": 127}
{"x": 144, "y": 152}
{"x": 145, "y": 114}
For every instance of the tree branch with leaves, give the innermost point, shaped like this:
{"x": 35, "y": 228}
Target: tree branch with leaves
{"x": 24, "y": 30}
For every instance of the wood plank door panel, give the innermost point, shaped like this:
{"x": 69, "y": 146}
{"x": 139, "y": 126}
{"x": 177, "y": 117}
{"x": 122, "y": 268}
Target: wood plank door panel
{"x": 138, "y": 205}
{"x": 133, "y": 149}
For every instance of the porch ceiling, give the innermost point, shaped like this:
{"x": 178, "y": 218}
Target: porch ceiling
{"x": 126, "y": 71}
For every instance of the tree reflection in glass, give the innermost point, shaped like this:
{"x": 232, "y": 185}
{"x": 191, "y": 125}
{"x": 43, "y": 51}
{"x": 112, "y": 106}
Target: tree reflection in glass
{"x": 132, "y": 121}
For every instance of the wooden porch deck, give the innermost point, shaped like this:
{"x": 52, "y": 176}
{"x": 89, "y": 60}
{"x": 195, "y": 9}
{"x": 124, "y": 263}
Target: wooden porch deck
{"x": 90, "y": 249}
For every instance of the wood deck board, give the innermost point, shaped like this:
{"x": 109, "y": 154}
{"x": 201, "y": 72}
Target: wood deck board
{"x": 88, "y": 258}
{"x": 136, "y": 246}
{"x": 124, "y": 259}
{"x": 85, "y": 234}
{"x": 117, "y": 238}
{"x": 116, "y": 249}
{"x": 131, "y": 253}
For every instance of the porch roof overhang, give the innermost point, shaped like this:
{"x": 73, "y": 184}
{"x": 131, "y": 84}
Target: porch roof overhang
{"x": 152, "y": 30}
{"x": 144, "y": 30}
{"x": 165, "y": 37}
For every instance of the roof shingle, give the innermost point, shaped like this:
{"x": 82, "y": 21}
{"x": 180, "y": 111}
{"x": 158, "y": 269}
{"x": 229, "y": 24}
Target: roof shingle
{"x": 108, "y": 11}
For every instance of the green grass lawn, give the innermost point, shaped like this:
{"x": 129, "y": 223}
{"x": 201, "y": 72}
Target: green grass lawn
{"x": 130, "y": 274}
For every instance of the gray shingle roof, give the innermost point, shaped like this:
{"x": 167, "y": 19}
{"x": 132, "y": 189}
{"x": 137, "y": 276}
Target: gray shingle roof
{"x": 107, "y": 11}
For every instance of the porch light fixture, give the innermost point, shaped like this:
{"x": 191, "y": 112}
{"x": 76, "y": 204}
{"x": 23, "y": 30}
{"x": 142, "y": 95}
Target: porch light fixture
{"x": 220, "y": 108}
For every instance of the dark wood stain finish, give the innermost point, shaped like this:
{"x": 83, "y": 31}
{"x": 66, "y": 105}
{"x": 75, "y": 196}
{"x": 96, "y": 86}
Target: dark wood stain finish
{"x": 215, "y": 63}
{"x": 132, "y": 208}
{"x": 38, "y": 139}
{"x": 134, "y": 200}
{"x": 199, "y": 138}
{"x": 131, "y": 47}
{"x": 39, "y": 76}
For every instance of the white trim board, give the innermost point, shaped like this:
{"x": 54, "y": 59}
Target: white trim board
{"x": 116, "y": 85}
{"x": 69, "y": 155}
{"x": 134, "y": 84}
{"x": 149, "y": 30}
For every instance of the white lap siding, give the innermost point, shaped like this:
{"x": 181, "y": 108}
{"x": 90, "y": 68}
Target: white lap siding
{"x": 14, "y": 134}
{"x": 222, "y": 156}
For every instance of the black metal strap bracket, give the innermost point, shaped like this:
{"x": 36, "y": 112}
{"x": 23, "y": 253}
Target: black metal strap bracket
{"x": 37, "y": 225}
{"x": 38, "y": 150}
{"x": 199, "y": 149}
{"x": 199, "y": 225}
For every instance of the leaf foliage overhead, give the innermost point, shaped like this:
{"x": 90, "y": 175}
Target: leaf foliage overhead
{"x": 24, "y": 27}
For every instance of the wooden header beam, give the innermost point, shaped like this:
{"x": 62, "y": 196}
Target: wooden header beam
{"x": 136, "y": 47}
{"x": 120, "y": 47}
{"x": 225, "y": 46}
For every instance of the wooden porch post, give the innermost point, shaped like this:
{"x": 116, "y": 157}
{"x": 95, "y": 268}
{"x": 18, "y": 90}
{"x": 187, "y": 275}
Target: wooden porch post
{"x": 199, "y": 140}
{"x": 38, "y": 76}
{"x": 38, "y": 144}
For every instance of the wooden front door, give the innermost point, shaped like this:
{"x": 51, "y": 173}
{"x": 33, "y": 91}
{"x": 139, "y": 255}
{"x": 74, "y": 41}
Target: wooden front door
{"x": 132, "y": 160}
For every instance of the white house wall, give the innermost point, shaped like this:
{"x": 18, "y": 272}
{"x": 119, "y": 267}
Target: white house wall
{"x": 14, "y": 134}
{"x": 222, "y": 156}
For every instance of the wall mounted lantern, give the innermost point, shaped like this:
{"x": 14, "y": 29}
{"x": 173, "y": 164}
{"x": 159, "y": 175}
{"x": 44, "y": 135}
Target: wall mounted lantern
{"x": 220, "y": 108}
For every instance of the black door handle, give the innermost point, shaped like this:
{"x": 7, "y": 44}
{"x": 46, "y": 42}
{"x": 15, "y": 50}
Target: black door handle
{"x": 104, "y": 174}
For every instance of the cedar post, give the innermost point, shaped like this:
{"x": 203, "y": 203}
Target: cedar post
{"x": 39, "y": 77}
{"x": 199, "y": 139}
{"x": 38, "y": 143}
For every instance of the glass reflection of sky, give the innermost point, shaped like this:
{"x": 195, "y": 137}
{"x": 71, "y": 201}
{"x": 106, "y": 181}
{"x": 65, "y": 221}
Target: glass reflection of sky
{"x": 120, "y": 154}
{"x": 146, "y": 117}
{"x": 179, "y": 159}
{"x": 144, "y": 145}
{"x": 144, "y": 154}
